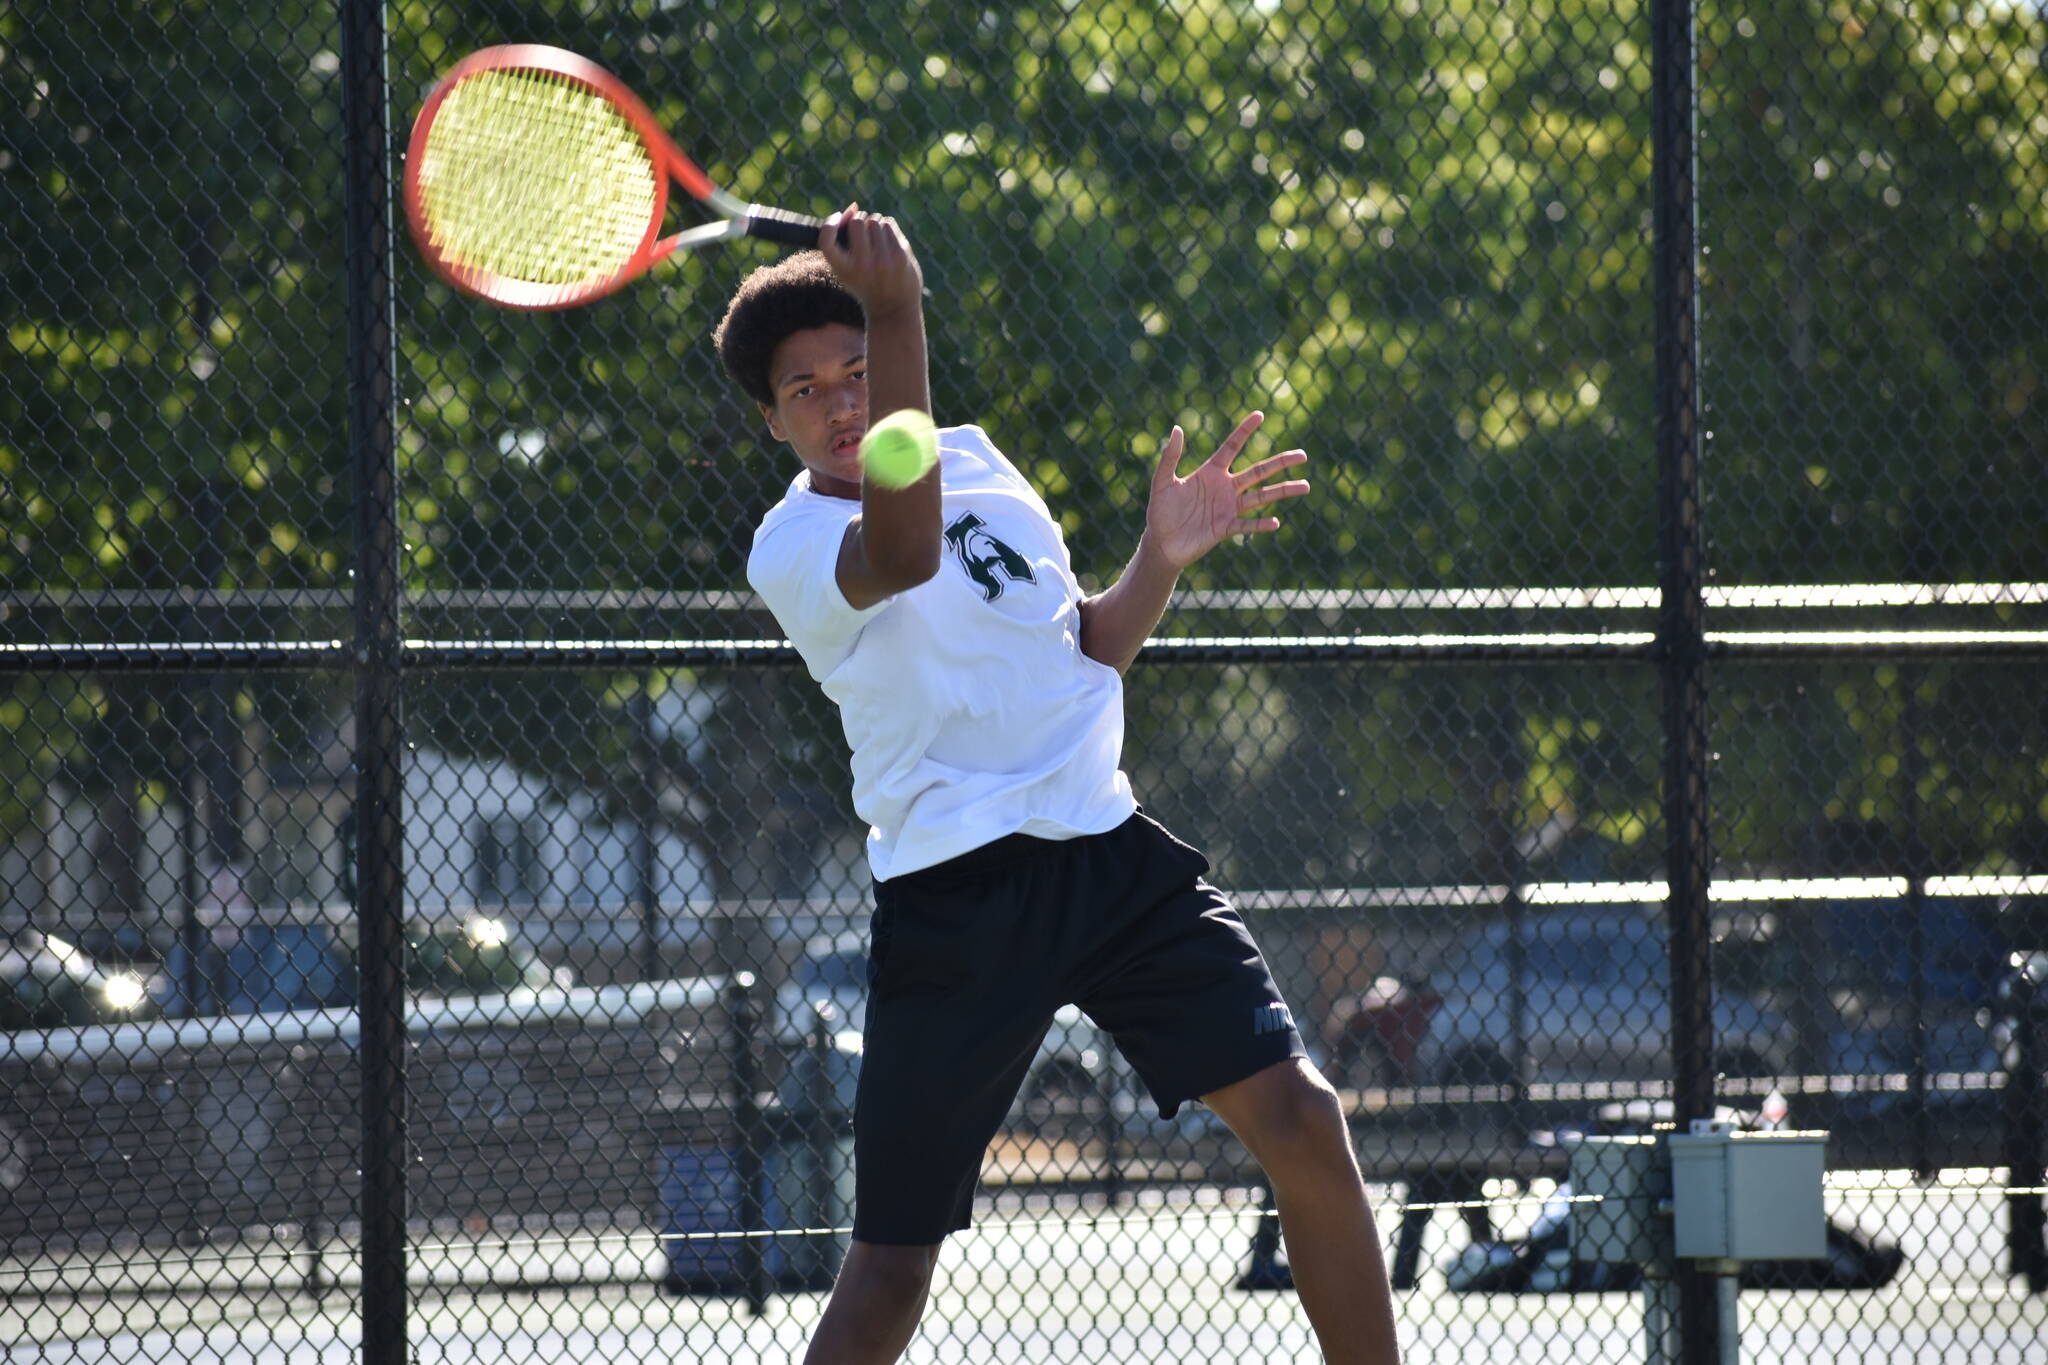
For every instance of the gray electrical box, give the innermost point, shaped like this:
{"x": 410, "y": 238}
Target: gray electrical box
{"x": 1748, "y": 1196}
{"x": 1626, "y": 1176}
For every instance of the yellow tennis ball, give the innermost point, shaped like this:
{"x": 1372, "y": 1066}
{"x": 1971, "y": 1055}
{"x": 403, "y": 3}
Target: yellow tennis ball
{"x": 898, "y": 450}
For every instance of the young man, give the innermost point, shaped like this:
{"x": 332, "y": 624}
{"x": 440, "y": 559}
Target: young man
{"x": 982, "y": 697}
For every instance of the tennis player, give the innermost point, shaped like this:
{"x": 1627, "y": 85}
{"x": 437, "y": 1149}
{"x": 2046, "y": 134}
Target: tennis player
{"x": 982, "y": 697}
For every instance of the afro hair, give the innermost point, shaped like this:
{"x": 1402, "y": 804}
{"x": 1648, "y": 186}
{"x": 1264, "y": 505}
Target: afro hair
{"x": 792, "y": 295}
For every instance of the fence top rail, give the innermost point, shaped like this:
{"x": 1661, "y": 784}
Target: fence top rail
{"x": 1531, "y": 647}
{"x": 603, "y": 1005}
{"x": 1771, "y": 596}
{"x": 1736, "y": 890}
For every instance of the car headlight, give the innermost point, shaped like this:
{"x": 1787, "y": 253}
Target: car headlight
{"x": 123, "y": 992}
{"x": 485, "y": 932}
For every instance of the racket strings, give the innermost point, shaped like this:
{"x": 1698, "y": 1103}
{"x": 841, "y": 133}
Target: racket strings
{"x": 528, "y": 176}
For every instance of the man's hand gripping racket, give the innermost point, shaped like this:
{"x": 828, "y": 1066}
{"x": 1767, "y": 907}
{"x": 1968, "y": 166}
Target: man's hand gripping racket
{"x": 535, "y": 179}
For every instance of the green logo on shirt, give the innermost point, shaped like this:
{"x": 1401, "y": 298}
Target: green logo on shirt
{"x": 987, "y": 560}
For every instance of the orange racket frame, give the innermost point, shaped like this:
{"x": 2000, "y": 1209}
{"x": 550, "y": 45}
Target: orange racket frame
{"x": 736, "y": 218}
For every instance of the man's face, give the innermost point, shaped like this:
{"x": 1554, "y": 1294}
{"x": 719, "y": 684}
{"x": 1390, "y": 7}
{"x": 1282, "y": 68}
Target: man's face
{"x": 820, "y": 380}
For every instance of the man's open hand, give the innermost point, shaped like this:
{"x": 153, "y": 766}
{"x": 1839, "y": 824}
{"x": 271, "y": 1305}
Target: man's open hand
{"x": 1188, "y": 517}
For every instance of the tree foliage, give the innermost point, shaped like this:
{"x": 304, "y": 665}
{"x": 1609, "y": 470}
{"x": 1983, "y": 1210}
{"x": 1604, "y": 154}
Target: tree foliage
{"x": 1417, "y": 235}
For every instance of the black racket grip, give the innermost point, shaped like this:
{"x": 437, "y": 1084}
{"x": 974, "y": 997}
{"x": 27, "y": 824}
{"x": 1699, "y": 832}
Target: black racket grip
{"x": 791, "y": 229}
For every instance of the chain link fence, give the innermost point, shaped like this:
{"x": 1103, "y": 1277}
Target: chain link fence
{"x": 434, "y": 921}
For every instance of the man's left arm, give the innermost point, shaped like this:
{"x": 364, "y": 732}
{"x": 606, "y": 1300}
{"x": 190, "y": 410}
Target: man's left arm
{"x": 1184, "y": 520}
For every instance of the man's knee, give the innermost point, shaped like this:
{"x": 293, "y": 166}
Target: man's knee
{"x": 1287, "y": 1113}
{"x": 889, "y": 1274}
{"x": 1309, "y": 1112}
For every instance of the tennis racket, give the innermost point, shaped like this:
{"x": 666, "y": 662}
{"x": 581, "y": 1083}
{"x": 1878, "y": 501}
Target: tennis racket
{"x": 536, "y": 179}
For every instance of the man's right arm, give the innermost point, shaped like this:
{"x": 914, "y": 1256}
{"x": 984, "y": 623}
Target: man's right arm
{"x": 894, "y": 544}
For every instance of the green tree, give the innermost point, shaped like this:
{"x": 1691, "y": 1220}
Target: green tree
{"x": 1417, "y": 235}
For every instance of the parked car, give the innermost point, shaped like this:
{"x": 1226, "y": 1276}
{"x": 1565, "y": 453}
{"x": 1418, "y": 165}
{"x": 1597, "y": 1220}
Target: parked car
{"x": 1843, "y": 975}
{"x": 1595, "y": 983}
{"x": 1961, "y": 955}
{"x": 479, "y": 956}
{"x": 48, "y": 982}
{"x": 1076, "y": 1072}
{"x": 258, "y": 968}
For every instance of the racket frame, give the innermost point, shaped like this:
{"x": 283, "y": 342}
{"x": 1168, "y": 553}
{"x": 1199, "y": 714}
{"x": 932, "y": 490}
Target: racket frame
{"x": 736, "y": 217}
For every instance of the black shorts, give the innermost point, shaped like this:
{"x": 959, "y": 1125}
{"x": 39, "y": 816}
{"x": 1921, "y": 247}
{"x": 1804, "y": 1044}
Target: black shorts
{"x": 971, "y": 958}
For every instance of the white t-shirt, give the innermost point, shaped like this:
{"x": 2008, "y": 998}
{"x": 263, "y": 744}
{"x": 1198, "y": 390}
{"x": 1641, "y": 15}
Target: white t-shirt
{"x": 970, "y": 708}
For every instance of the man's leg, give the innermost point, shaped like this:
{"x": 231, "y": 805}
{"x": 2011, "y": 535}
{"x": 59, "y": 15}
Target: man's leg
{"x": 1289, "y": 1118}
{"x": 875, "y": 1305}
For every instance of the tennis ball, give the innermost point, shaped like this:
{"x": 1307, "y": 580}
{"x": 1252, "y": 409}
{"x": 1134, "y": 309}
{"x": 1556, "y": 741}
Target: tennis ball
{"x": 898, "y": 450}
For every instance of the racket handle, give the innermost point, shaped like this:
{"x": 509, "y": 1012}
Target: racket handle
{"x": 780, "y": 225}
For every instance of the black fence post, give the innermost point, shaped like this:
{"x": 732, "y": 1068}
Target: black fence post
{"x": 2026, "y": 1148}
{"x": 821, "y": 1138}
{"x": 1913, "y": 768}
{"x": 748, "y": 1138}
{"x": 191, "y": 935}
{"x": 380, "y": 872}
{"x": 304, "y": 1157}
{"x": 646, "y": 820}
{"x": 1681, "y": 622}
